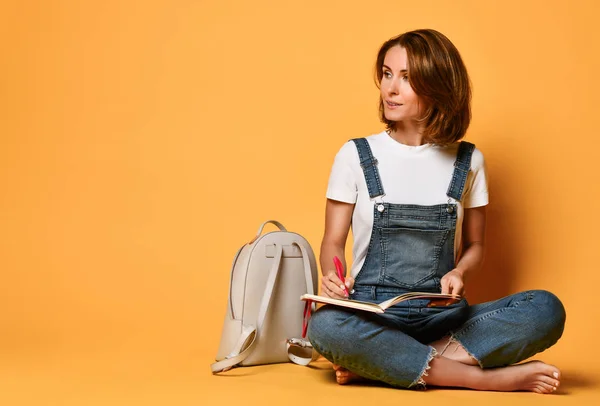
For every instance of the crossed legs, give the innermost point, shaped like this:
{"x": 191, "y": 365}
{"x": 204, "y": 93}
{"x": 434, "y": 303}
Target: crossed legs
{"x": 454, "y": 366}
{"x": 458, "y": 369}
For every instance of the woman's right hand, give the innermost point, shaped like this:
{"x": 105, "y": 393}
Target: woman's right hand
{"x": 332, "y": 286}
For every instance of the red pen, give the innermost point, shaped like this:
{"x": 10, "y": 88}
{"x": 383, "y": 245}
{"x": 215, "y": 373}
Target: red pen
{"x": 339, "y": 268}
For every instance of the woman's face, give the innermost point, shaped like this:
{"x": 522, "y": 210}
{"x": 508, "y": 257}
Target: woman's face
{"x": 400, "y": 102}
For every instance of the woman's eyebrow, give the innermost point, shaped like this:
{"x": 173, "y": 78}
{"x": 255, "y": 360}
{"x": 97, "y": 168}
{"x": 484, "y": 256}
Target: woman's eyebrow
{"x": 401, "y": 71}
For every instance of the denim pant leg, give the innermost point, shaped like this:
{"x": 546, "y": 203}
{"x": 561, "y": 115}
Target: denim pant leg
{"x": 511, "y": 329}
{"x": 357, "y": 342}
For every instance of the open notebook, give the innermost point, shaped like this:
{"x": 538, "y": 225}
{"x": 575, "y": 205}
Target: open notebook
{"x": 435, "y": 299}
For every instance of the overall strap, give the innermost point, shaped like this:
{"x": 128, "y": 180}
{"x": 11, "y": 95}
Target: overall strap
{"x": 461, "y": 170}
{"x": 368, "y": 164}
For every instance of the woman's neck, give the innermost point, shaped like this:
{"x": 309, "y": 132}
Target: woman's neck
{"x": 407, "y": 134}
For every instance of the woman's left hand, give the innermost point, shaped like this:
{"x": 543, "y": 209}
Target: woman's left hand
{"x": 453, "y": 283}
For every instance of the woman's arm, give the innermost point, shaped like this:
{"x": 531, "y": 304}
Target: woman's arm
{"x": 338, "y": 217}
{"x": 473, "y": 232}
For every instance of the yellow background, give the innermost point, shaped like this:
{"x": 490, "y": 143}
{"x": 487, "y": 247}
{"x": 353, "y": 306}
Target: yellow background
{"x": 143, "y": 142}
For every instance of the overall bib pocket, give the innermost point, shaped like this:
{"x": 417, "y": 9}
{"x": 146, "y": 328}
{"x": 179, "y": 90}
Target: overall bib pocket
{"x": 411, "y": 255}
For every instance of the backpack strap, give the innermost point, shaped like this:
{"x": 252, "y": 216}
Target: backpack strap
{"x": 247, "y": 341}
{"x": 243, "y": 348}
{"x": 300, "y": 351}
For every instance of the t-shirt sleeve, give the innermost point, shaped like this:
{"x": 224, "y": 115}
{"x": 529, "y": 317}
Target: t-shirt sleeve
{"x": 342, "y": 180}
{"x": 476, "y": 191}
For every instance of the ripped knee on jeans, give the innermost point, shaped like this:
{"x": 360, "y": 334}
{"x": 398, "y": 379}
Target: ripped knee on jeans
{"x": 454, "y": 345}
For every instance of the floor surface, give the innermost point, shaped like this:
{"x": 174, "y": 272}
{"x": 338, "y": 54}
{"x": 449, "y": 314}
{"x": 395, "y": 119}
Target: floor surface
{"x": 184, "y": 378}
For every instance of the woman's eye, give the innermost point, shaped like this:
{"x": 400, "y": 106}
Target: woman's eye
{"x": 388, "y": 75}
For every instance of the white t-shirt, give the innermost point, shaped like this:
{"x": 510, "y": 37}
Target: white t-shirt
{"x": 409, "y": 175}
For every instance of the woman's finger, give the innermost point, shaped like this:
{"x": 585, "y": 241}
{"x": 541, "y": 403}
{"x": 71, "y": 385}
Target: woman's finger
{"x": 350, "y": 284}
{"x": 334, "y": 285}
{"x": 325, "y": 291}
{"x": 445, "y": 285}
{"x": 457, "y": 287}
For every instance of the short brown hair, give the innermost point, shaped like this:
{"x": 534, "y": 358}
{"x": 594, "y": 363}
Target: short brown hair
{"x": 439, "y": 77}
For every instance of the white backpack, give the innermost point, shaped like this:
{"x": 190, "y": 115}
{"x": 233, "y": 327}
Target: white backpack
{"x": 263, "y": 324}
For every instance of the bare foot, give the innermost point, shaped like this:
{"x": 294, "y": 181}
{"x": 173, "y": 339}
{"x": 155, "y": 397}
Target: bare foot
{"x": 344, "y": 377}
{"x": 534, "y": 376}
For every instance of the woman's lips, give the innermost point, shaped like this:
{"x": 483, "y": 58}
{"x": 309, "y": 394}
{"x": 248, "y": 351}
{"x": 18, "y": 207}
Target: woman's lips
{"x": 392, "y": 105}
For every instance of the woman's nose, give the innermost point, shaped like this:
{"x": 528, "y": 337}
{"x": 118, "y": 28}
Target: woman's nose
{"x": 393, "y": 88}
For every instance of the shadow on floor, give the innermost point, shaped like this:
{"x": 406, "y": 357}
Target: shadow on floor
{"x": 574, "y": 380}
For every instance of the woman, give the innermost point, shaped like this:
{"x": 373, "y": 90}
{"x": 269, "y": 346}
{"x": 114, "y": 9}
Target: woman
{"x": 415, "y": 197}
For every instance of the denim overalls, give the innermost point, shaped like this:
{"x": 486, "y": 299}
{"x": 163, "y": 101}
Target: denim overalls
{"x": 411, "y": 246}
{"x": 411, "y": 249}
